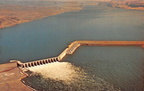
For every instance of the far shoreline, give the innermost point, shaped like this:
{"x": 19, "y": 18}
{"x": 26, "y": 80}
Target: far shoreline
{"x": 12, "y": 15}
{"x": 126, "y": 7}
{"x": 31, "y": 20}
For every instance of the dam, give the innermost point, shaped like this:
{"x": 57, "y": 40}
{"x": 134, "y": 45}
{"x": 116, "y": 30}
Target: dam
{"x": 75, "y": 45}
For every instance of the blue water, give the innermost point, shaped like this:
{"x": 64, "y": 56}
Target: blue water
{"x": 48, "y": 37}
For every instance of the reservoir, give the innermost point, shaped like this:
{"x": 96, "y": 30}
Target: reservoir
{"x": 102, "y": 67}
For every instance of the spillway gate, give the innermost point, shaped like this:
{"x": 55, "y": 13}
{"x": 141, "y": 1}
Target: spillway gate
{"x": 38, "y": 62}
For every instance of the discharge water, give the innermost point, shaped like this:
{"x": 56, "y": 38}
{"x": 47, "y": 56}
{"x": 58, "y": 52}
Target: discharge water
{"x": 109, "y": 67}
{"x": 58, "y": 71}
{"x": 67, "y": 77}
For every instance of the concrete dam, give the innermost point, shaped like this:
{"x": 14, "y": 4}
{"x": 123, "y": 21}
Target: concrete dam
{"x": 74, "y": 45}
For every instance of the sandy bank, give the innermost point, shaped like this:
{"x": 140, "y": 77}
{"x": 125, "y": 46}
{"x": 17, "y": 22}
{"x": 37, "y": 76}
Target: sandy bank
{"x": 11, "y": 15}
{"x": 127, "y": 7}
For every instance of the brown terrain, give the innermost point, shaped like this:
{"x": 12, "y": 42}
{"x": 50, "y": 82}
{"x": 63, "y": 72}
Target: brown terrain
{"x": 10, "y": 78}
{"x": 11, "y": 15}
{"x": 128, "y": 4}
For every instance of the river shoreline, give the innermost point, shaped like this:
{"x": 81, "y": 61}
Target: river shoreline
{"x": 126, "y": 7}
{"x": 12, "y": 15}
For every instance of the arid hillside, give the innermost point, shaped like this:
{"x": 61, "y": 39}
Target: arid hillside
{"x": 13, "y": 14}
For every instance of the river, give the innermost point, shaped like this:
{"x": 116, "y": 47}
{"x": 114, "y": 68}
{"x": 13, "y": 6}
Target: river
{"x": 116, "y": 67}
